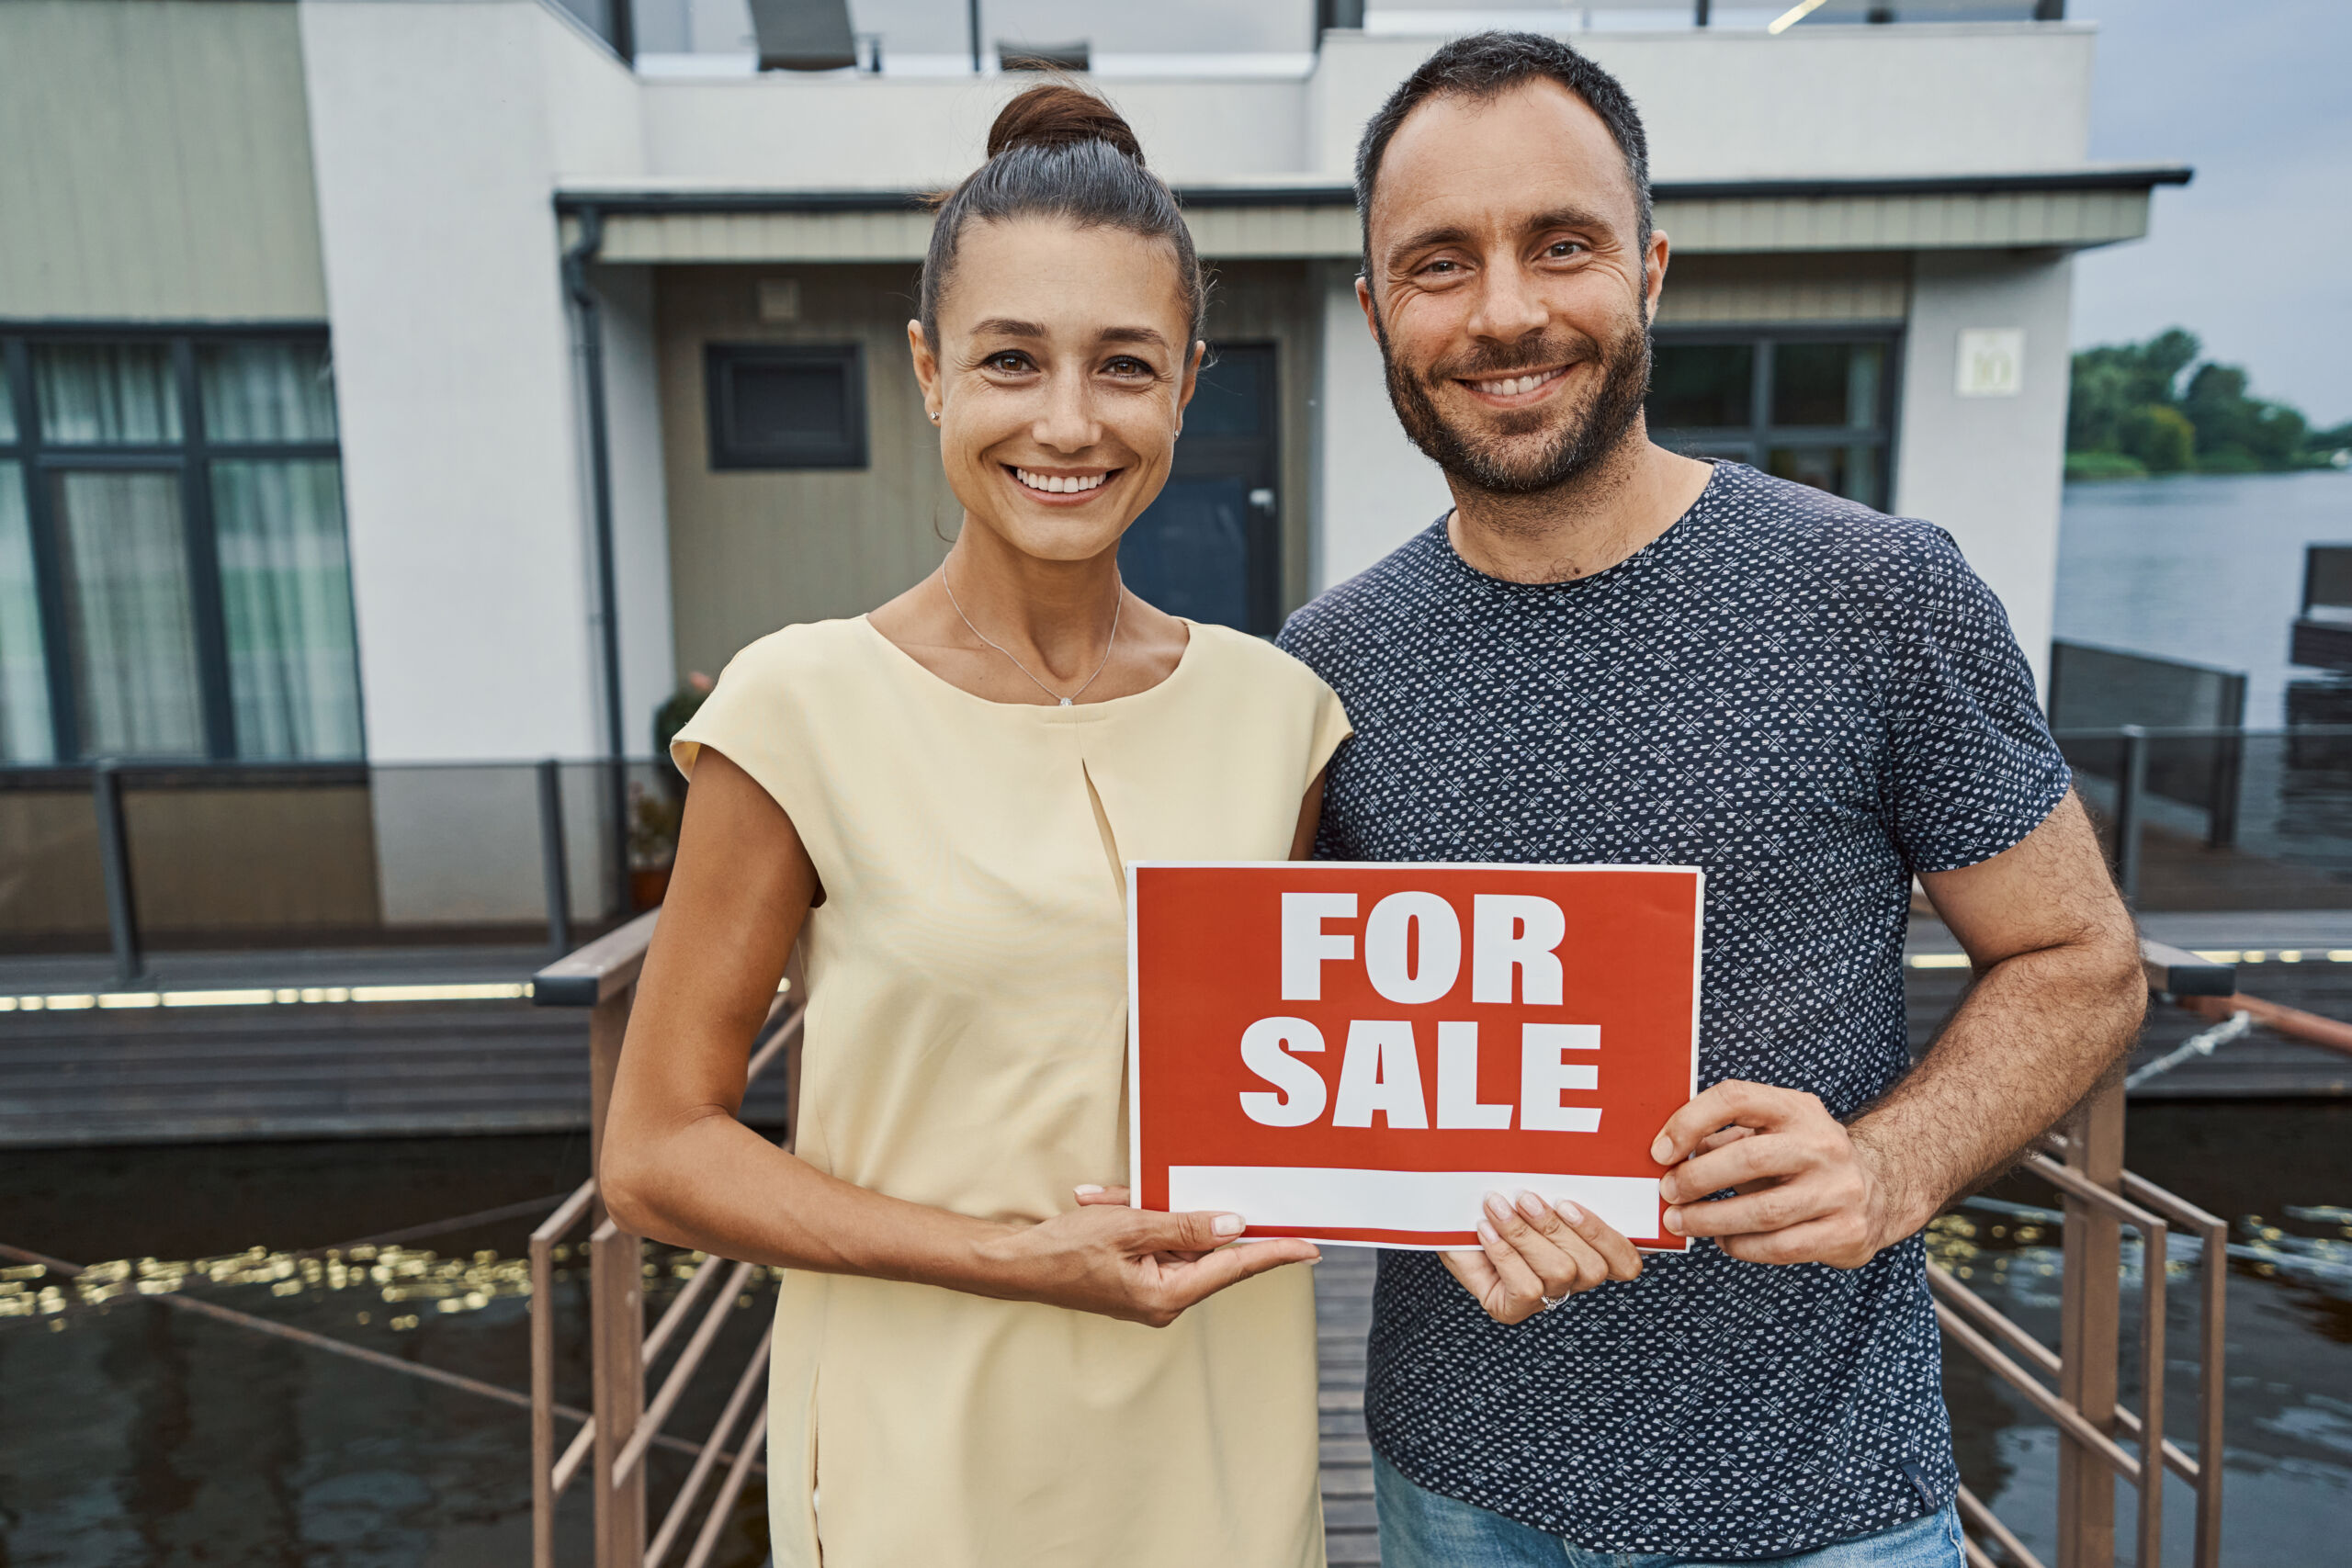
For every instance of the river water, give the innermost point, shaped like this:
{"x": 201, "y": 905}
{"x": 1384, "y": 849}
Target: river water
{"x": 2208, "y": 569}
{"x": 136, "y": 1436}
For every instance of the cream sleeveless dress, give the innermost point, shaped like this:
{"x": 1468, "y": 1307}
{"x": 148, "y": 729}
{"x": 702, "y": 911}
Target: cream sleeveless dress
{"x": 967, "y": 1048}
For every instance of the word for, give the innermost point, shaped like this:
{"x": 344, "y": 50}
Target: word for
{"x": 1511, "y": 937}
{"x": 1381, "y": 1075}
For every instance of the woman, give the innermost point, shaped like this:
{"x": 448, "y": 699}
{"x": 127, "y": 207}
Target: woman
{"x": 971, "y": 1367}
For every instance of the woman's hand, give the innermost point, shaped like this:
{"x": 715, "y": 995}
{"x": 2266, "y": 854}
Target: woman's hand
{"x": 1132, "y": 1264}
{"x": 1531, "y": 1250}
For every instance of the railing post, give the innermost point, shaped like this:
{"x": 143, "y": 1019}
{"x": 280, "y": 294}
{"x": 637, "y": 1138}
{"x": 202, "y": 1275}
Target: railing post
{"x": 616, "y": 1351}
{"x": 2221, "y": 809}
{"x": 555, "y": 871}
{"x": 2131, "y": 788}
{"x": 616, "y": 1289}
{"x": 2088, "y": 1334}
{"x": 114, "y": 864}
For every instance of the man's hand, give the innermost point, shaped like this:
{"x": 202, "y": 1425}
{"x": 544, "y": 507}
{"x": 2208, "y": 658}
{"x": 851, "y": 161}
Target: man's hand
{"x": 1809, "y": 1189}
{"x": 1531, "y": 1249}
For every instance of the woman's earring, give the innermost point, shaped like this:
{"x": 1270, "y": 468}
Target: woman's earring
{"x": 934, "y": 416}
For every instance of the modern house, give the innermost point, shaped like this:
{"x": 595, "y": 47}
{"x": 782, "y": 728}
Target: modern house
{"x": 443, "y": 379}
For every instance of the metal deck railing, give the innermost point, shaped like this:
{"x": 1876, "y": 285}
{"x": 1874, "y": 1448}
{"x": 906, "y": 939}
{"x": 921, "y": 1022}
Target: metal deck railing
{"x": 2075, "y": 1385}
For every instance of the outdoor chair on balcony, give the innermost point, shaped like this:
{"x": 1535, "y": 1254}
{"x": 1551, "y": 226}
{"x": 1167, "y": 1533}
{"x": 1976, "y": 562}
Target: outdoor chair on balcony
{"x": 804, "y": 35}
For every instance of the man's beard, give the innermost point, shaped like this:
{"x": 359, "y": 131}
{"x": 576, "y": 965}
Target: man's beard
{"x": 1588, "y": 435}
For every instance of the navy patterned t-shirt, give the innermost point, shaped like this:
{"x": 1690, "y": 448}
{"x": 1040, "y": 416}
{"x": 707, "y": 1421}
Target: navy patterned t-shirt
{"x": 1813, "y": 701}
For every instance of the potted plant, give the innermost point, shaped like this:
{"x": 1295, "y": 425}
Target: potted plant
{"x": 653, "y": 815}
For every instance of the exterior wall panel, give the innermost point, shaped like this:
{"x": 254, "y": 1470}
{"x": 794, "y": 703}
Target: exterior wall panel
{"x": 1784, "y": 289}
{"x": 750, "y": 551}
{"x": 1989, "y": 468}
{"x": 754, "y": 550}
{"x": 158, "y": 162}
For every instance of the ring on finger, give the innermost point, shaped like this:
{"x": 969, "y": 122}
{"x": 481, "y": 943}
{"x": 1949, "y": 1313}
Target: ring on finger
{"x": 1551, "y": 1301}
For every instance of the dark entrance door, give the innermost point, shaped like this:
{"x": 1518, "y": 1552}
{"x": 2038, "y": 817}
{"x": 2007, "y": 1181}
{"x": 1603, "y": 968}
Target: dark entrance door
{"x": 1210, "y": 548}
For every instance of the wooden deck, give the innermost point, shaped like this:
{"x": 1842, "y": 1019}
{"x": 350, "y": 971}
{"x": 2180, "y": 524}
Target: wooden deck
{"x": 96, "y": 1075}
{"x": 2261, "y": 1064}
{"x": 1342, "y": 1315}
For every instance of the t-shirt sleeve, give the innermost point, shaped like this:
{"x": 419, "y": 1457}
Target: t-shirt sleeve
{"x": 751, "y": 716}
{"x": 1971, "y": 765}
{"x": 1331, "y": 727}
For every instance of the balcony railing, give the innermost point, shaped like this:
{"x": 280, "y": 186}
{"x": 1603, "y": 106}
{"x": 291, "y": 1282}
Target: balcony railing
{"x": 625, "y": 1424}
{"x": 2075, "y": 1385}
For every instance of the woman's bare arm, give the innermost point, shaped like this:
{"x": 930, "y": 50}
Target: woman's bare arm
{"x": 1310, "y": 818}
{"x": 679, "y": 1167}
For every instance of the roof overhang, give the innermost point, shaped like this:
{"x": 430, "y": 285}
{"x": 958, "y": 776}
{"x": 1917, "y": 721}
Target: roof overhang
{"x": 2064, "y": 209}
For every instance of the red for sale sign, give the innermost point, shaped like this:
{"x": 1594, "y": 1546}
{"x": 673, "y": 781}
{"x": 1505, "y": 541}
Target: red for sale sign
{"x": 1359, "y": 1053}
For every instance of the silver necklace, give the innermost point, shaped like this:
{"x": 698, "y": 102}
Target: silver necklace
{"x": 1117, "y": 606}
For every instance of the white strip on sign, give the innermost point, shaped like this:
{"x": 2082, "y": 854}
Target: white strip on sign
{"x": 1308, "y": 1197}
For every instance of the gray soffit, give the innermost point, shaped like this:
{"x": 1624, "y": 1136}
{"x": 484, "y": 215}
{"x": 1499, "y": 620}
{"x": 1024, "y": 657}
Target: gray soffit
{"x": 2064, "y": 209}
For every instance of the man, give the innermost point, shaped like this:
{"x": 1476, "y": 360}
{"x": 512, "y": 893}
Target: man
{"x": 1607, "y": 652}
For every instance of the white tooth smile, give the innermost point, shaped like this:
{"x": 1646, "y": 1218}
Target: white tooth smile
{"x": 1510, "y": 385}
{"x": 1059, "y": 484}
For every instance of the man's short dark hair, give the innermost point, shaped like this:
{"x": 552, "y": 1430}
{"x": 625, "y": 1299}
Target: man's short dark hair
{"x": 1485, "y": 64}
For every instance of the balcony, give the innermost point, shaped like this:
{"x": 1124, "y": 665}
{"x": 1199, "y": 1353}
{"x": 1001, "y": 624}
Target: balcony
{"x": 692, "y": 39}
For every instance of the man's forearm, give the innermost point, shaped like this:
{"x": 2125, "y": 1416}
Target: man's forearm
{"x": 2030, "y": 1041}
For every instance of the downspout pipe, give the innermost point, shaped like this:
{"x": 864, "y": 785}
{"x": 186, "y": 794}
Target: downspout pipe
{"x": 586, "y": 310}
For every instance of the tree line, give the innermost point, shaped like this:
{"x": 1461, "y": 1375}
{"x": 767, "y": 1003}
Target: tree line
{"x": 2136, "y": 409}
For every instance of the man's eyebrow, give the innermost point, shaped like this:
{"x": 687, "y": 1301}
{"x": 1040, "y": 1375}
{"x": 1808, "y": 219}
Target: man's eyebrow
{"x": 1455, "y": 234}
{"x": 1438, "y": 234}
{"x": 1569, "y": 218}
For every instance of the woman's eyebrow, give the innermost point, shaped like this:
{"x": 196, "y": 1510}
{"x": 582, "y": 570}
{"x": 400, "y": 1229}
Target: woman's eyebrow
{"x": 1133, "y": 334}
{"x": 1004, "y": 326}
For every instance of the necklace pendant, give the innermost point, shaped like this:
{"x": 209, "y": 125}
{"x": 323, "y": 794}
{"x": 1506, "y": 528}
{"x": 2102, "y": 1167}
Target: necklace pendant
{"x": 1065, "y": 702}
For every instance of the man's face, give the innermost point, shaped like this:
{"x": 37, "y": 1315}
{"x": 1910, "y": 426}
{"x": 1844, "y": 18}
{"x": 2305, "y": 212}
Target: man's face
{"x": 1508, "y": 289}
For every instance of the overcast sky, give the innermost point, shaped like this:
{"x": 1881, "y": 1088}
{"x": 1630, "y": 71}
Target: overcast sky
{"x": 2255, "y": 256}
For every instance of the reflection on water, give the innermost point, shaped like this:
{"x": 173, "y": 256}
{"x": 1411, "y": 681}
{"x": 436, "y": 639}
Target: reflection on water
{"x": 2288, "y": 1410}
{"x": 165, "y": 1438}
{"x": 140, "y": 1436}
{"x": 147, "y": 1438}
{"x": 2205, "y": 567}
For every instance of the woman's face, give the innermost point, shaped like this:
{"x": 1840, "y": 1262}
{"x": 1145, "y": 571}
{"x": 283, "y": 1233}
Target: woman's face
{"x": 1064, "y": 362}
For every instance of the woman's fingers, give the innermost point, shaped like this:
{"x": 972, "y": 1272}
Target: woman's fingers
{"x": 1473, "y": 1268}
{"x": 1531, "y": 1251}
{"x": 1620, "y": 1258}
{"x": 1090, "y": 1196}
{"x": 1187, "y": 1283}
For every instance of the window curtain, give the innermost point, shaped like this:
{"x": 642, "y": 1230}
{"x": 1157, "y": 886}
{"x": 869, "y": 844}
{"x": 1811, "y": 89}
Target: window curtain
{"x": 120, "y": 394}
{"x": 129, "y": 615}
{"x": 285, "y": 602}
{"x": 267, "y": 392}
{"x": 26, "y": 734}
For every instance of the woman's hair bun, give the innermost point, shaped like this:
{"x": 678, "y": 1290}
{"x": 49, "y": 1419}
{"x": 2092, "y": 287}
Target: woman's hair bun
{"x": 1056, "y": 114}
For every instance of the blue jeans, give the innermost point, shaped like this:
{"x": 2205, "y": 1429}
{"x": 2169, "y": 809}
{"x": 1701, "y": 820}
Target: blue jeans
{"x": 1420, "y": 1529}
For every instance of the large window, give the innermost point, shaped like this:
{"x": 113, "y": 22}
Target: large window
{"x": 172, "y": 575}
{"x": 1817, "y": 408}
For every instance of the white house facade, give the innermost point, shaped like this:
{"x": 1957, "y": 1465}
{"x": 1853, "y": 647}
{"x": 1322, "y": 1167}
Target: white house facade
{"x": 443, "y": 379}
